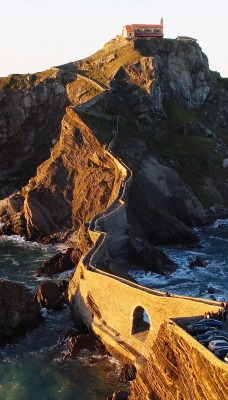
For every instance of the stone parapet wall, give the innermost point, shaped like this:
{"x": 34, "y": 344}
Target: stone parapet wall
{"x": 115, "y": 222}
{"x": 101, "y": 255}
{"x": 119, "y": 164}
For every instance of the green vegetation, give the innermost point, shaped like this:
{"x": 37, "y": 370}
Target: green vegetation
{"x": 195, "y": 155}
{"x": 181, "y": 116}
{"x": 92, "y": 66}
{"x": 94, "y": 91}
{"x": 19, "y": 83}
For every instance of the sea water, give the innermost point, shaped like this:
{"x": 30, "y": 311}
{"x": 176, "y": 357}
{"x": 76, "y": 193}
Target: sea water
{"x": 199, "y": 281}
{"x": 33, "y": 367}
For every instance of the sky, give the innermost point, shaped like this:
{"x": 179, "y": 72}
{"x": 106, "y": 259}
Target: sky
{"x": 38, "y": 34}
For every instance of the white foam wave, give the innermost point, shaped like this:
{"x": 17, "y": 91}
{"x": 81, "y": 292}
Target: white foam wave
{"x": 218, "y": 238}
{"x": 220, "y": 223}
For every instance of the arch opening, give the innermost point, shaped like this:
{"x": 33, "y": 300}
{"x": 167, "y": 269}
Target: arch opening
{"x": 140, "y": 321}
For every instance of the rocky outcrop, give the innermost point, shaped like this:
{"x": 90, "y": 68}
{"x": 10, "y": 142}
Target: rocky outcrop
{"x": 154, "y": 260}
{"x": 77, "y": 181}
{"x": 169, "y": 207}
{"x": 30, "y": 120}
{"x": 158, "y": 88}
{"x": 31, "y": 110}
{"x": 52, "y": 295}
{"x": 82, "y": 341}
{"x": 60, "y": 262}
{"x": 167, "y": 69}
{"x": 142, "y": 253}
{"x": 19, "y": 312}
{"x": 198, "y": 262}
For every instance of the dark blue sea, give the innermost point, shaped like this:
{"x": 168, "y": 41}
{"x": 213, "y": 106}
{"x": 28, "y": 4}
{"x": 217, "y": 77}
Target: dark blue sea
{"x": 33, "y": 368}
{"x": 195, "y": 282}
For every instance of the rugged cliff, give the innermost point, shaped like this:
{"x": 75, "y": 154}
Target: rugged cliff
{"x": 77, "y": 181}
{"x": 31, "y": 110}
{"x": 165, "y": 95}
{"x": 171, "y": 134}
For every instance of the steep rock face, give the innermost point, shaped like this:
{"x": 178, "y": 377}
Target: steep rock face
{"x": 178, "y": 371}
{"x": 29, "y": 121}
{"x": 167, "y": 69}
{"x": 160, "y": 204}
{"x": 30, "y": 117}
{"x": 169, "y": 207}
{"x": 76, "y": 182}
{"x": 160, "y": 86}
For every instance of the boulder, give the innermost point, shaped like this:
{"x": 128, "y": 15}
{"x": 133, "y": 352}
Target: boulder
{"x": 198, "y": 262}
{"x": 195, "y": 130}
{"x": 154, "y": 260}
{"x": 211, "y": 290}
{"x": 51, "y": 295}
{"x": 128, "y": 373}
{"x": 19, "y": 312}
{"x": 60, "y": 262}
{"x": 83, "y": 341}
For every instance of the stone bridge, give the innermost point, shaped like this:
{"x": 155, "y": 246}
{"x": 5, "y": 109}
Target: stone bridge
{"x": 140, "y": 325}
{"x": 159, "y": 346}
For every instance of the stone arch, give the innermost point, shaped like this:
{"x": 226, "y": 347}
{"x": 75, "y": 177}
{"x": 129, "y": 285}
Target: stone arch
{"x": 140, "y": 320}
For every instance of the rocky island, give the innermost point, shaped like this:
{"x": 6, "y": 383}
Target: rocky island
{"x": 164, "y": 116}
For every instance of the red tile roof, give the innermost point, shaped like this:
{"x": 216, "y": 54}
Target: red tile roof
{"x": 132, "y": 27}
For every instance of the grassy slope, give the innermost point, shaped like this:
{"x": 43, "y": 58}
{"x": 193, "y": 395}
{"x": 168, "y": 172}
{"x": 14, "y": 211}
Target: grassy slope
{"x": 18, "y": 82}
{"x": 196, "y": 155}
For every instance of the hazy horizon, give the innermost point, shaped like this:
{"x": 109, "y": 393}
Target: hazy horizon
{"x": 39, "y": 35}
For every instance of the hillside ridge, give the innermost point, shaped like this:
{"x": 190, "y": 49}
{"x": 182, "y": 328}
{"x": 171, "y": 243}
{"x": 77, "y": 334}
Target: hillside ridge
{"x": 171, "y": 134}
